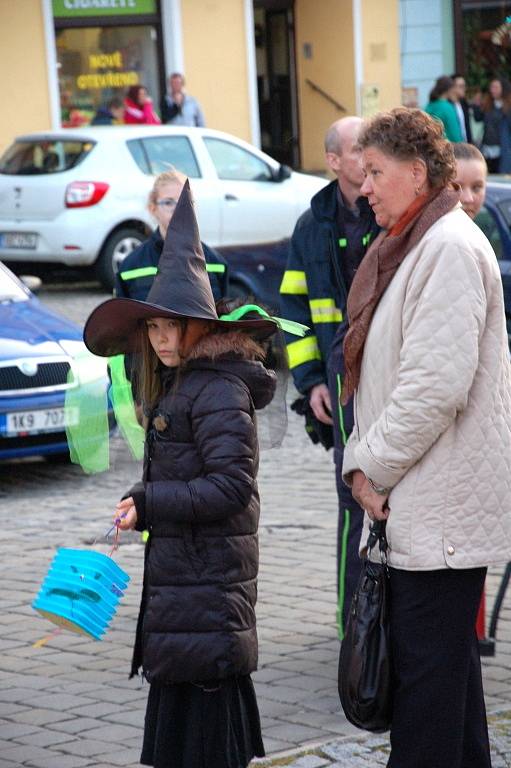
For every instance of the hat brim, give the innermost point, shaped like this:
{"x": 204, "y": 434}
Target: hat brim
{"x": 111, "y": 328}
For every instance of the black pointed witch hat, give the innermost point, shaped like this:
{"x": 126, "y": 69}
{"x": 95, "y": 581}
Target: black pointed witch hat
{"x": 181, "y": 289}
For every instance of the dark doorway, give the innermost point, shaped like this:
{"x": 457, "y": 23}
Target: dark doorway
{"x": 276, "y": 79}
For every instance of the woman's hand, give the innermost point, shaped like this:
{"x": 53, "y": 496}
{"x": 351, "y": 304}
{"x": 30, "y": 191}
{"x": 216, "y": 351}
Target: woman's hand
{"x": 125, "y": 514}
{"x": 373, "y": 503}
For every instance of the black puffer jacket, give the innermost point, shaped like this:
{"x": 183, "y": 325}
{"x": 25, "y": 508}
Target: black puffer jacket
{"x": 200, "y": 503}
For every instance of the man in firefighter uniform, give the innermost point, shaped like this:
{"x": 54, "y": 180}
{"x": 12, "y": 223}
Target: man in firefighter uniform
{"x": 328, "y": 243}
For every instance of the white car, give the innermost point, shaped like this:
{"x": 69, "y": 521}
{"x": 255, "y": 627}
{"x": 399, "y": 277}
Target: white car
{"x": 79, "y": 196}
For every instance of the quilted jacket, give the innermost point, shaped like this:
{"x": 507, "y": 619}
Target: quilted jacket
{"x": 200, "y": 503}
{"x": 433, "y": 405}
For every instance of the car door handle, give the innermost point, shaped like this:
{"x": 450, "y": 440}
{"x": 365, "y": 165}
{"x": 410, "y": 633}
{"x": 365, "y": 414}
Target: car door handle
{"x": 231, "y": 197}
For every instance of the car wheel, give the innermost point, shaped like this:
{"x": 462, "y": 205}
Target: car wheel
{"x": 113, "y": 253}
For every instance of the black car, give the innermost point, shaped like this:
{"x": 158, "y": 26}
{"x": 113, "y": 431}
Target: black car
{"x": 495, "y": 221}
{"x": 257, "y": 271}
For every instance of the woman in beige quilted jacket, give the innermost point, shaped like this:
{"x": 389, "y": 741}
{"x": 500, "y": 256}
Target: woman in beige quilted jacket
{"x": 427, "y": 358}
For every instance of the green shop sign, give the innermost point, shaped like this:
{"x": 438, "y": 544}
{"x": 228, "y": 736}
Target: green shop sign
{"x": 79, "y": 8}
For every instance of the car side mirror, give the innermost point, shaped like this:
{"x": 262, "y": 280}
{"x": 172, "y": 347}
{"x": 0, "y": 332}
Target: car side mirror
{"x": 282, "y": 172}
{"x": 31, "y": 282}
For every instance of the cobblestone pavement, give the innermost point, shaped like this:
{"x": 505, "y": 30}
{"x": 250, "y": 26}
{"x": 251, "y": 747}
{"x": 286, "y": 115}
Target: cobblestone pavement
{"x": 69, "y": 704}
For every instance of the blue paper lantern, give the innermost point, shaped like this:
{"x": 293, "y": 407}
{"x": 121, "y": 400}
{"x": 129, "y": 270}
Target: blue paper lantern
{"x": 81, "y": 591}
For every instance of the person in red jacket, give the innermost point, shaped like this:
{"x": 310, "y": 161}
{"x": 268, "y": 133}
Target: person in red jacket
{"x": 138, "y": 107}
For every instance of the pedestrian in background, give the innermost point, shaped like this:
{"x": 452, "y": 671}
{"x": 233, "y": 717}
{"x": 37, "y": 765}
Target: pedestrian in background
{"x": 471, "y": 173}
{"x": 178, "y": 107}
{"x": 138, "y": 270}
{"x": 138, "y": 107}
{"x": 496, "y": 142}
{"x": 110, "y": 114}
{"x": 327, "y": 246}
{"x": 463, "y": 107}
{"x": 427, "y": 355}
{"x": 201, "y": 381}
{"x": 441, "y": 106}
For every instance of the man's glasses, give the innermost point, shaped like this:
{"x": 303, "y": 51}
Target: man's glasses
{"x": 167, "y": 202}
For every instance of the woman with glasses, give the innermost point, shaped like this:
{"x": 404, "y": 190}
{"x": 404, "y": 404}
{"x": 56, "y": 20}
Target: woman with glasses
{"x": 137, "y": 271}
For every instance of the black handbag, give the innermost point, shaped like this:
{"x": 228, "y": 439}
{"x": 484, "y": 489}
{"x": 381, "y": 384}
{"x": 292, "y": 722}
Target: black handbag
{"x": 364, "y": 678}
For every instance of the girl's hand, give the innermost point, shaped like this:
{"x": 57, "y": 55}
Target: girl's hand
{"x": 125, "y": 516}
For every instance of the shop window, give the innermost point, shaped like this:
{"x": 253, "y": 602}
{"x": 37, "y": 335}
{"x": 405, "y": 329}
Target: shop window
{"x": 166, "y": 153}
{"x": 96, "y": 64}
{"x": 486, "y": 40}
{"x": 235, "y": 163}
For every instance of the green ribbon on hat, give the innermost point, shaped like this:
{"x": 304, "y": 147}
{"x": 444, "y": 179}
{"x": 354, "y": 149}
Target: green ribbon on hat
{"x": 289, "y": 326}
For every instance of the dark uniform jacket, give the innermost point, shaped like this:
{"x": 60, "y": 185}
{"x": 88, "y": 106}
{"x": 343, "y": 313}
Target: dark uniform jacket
{"x": 200, "y": 503}
{"x": 314, "y": 288}
{"x": 137, "y": 271}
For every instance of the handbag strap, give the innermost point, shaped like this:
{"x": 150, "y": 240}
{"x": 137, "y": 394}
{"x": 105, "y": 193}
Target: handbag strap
{"x": 377, "y": 535}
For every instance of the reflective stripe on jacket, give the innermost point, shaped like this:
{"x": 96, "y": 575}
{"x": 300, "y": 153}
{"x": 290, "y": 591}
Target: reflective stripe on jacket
{"x": 313, "y": 290}
{"x": 137, "y": 271}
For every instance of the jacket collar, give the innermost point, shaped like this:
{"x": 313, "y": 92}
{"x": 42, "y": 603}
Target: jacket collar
{"x": 324, "y": 204}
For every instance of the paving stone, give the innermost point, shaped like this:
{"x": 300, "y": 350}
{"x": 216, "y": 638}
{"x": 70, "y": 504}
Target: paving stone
{"x": 86, "y": 747}
{"x": 309, "y": 761}
{"x": 41, "y": 716}
{"x": 343, "y": 751}
{"x": 60, "y": 761}
{"x": 295, "y": 733}
{"x": 76, "y": 724}
{"x": 121, "y": 757}
{"x": 23, "y": 753}
{"x": 117, "y": 733}
{"x": 45, "y": 738}
{"x": 13, "y": 731}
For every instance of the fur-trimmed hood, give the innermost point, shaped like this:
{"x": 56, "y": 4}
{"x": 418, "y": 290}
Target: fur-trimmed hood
{"x": 215, "y": 345}
{"x": 236, "y": 353}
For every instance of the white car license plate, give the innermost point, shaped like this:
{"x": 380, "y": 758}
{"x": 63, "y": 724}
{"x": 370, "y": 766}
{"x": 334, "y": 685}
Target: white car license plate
{"x": 21, "y": 240}
{"x": 46, "y": 420}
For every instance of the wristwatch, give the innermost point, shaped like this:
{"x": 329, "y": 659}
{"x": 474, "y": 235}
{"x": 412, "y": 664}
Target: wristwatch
{"x": 379, "y": 489}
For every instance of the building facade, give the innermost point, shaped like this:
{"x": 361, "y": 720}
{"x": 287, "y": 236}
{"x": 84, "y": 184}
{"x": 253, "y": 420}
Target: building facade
{"x": 274, "y": 72}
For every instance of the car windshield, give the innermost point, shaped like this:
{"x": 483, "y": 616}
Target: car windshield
{"x": 10, "y": 289}
{"x": 44, "y": 156}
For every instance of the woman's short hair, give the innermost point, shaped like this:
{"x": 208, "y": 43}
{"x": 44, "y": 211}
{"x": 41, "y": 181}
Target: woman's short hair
{"x": 172, "y": 176}
{"x": 409, "y": 134}
{"x": 464, "y": 151}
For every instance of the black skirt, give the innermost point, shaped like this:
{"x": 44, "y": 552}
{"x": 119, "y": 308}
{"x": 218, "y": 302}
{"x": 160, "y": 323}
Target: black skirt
{"x": 212, "y": 725}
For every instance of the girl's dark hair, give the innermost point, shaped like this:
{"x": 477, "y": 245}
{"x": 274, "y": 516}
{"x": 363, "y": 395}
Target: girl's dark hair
{"x": 408, "y": 134}
{"x": 442, "y": 85}
{"x": 133, "y": 92}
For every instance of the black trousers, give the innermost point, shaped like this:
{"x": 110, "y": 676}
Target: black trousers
{"x": 439, "y": 718}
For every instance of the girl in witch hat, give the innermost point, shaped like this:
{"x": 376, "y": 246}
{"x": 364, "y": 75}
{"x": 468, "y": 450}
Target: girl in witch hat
{"x": 201, "y": 383}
